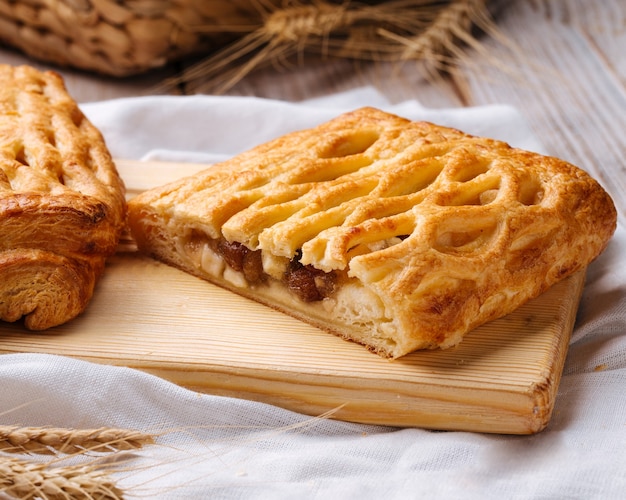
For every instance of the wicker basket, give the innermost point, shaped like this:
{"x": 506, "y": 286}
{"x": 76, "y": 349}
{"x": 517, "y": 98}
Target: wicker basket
{"x": 121, "y": 38}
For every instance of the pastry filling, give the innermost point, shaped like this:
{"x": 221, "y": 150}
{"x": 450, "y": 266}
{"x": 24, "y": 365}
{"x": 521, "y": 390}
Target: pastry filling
{"x": 306, "y": 282}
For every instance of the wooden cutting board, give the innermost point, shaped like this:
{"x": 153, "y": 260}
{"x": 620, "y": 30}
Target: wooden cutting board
{"x": 502, "y": 378}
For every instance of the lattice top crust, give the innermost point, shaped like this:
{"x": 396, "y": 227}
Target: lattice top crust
{"x": 447, "y": 229}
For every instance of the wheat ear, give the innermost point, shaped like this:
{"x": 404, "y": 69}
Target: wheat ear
{"x": 26, "y": 480}
{"x": 50, "y": 440}
{"x": 394, "y": 31}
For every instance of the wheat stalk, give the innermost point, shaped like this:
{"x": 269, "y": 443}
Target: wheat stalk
{"x": 25, "y": 480}
{"x": 50, "y": 440}
{"x": 428, "y": 31}
{"x": 48, "y": 479}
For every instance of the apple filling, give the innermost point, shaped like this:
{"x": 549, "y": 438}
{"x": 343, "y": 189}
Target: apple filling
{"x": 304, "y": 281}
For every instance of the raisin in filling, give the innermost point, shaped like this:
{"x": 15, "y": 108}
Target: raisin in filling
{"x": 306, "y": 282}
{"x": 242, "y": 259}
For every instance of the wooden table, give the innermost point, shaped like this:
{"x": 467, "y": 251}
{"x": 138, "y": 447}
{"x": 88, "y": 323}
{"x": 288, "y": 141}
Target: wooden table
{"x": 563, "y": 65}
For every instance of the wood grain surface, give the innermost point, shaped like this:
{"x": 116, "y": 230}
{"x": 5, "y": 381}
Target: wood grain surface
{"x": 502, "y": 378}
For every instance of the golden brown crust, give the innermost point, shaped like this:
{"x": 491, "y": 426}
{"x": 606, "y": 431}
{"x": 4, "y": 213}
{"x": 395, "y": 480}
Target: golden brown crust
{"x": 430, "y": 231}
{"x": 62, "y": 206}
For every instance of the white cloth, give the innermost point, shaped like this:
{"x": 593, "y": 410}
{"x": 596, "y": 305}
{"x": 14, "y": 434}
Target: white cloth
{"x": 216, "y": 447}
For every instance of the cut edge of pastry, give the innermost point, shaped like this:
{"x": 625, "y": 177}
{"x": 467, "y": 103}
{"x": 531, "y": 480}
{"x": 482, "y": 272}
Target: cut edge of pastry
{"x": 393, "y": 280}
{"x": 196, "y": 254}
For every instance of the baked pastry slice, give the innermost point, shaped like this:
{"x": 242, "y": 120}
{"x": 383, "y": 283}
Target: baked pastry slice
{"x": 62, "y": 205}
{"x": 395, "y": 234}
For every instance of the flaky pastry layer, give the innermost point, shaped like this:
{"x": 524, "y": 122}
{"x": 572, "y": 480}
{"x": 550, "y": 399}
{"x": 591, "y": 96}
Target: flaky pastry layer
{"x": 398, "y": 235}
{"x": 62, "y": 203}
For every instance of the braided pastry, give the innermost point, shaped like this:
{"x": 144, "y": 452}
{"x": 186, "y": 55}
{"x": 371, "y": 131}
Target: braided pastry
{"x": 62, "y": 205}
{"x": 395, "y": 234}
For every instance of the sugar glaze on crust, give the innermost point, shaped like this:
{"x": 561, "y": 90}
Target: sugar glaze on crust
{"x": 62, "y": 205}
{"x": 415, "y": 233}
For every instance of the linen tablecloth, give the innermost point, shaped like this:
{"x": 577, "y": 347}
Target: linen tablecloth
{"x": 217, "y": 447}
